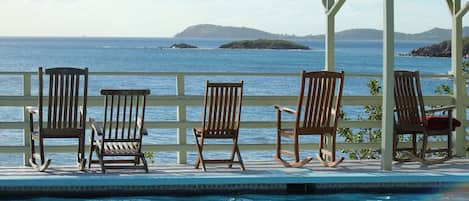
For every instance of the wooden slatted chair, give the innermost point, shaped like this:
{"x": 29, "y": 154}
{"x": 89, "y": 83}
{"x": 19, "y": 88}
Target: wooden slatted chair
{"x": 221, "y": 117}
{"x": 411, "y": 118}
{"x": 65, "y": 118}
{"x": 316, "y": 114}
{"x": 119, "y": 141}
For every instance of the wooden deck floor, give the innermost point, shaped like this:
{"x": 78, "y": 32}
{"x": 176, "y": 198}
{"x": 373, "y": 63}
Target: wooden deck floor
{"x": 257, "y": 167}
{"x": 260, "y": 175}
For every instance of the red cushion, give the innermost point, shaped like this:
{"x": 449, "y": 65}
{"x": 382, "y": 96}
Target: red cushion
{"x": 441, "y": 122}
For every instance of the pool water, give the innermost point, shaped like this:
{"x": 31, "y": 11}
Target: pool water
{"x": 459, "y": 196}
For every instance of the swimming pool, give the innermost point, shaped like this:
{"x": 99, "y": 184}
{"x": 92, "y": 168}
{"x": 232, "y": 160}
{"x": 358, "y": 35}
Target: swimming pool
{"x": 453, "y": 196}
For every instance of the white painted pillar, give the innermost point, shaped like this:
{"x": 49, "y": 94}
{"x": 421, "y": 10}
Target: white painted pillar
{"x": 332, "y": 7}
{"x": 459, "y": 84}
{"x": 388, "y": 86}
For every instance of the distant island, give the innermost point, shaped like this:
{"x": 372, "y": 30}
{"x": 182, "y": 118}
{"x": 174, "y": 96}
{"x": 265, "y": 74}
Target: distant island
{"x": 182, "y": 45}
{"x": 264, "y": 44}
{"x": 442, "y": 49}
{"x": 229, "y": 32}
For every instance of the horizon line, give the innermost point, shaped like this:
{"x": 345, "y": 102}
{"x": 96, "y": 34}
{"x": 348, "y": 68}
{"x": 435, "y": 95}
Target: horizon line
{"x": 173, "y": 36}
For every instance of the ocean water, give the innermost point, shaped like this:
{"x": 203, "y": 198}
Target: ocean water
{"x": 147, "y": 55}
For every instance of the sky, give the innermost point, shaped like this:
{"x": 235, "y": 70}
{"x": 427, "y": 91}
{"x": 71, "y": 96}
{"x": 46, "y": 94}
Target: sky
{"x": 165, "y": 18}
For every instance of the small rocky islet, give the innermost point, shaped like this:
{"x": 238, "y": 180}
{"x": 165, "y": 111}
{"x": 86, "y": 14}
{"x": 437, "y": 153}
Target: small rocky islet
{"x": 264, "y": 44}
{"x": 182, "y": 46}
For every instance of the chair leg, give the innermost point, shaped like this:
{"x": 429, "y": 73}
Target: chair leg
{"x": 335, "y": 162}
{"x": 297, "y": 148}
{"x": 101, "y": 162}
{"x": 81, "y": 153}
{"x": 395, "y": 142}
{"x": 414, "y": 143}
{"x": 32, "y": 160}
{"x": 41, "y": 151}
{"x": 200, "y": 159}
{"x": 279, "y": 146}
{"x": 144, "y": 161}
{"x": 92, "y": 148}
{"x": 450, "y": 147}
{"x": 44, "y": 163}
{"x": 333, "y": 148}
{"x": 328, "y": 160}
{"x": 197, "y": 162}
{"x": 90, "y": 158}
{"x": 241, "y": 163}
{"x": 233, "y": 154}
{"x": 136, "y": 160}
{"x": 424, "y": 147}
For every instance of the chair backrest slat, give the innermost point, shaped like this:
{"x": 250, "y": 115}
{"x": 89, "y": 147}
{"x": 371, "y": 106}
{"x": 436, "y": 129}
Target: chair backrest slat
{"x": 71, "y": 100}
{"x": 136, "y": 113}
{"x": 65, "y": 101}
{"x": 118, "y": 107}
{"x": 130, "y": 115}
{"x": 63, "y": 97}
{"x": 75, "y": 108}
{"x": 222, "y": 108}
{"x": 111, "y": 116}
{"x": 408, "y": 99}
{"x": 317, "y": 94}
{"x": 123, "y": 109}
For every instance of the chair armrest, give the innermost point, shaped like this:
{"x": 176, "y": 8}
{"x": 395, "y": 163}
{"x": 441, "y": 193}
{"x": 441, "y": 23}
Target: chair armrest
{"x": 32, "y": 110}
{"x": 440, "y": 109}
{"x": 284, "y": 109}
{"x": 97, "y": 129}
{"x": 139, "y": 124}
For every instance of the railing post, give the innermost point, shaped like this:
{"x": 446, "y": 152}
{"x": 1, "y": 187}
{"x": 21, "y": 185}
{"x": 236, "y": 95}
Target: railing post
{"x": 388, "y": 83}
{"x": 26, "y": 134}
{"x": 181, "y": 117}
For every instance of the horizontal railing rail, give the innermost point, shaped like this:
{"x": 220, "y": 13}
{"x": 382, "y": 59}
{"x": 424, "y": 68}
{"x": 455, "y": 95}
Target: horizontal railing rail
{"x": 182, "y": 101}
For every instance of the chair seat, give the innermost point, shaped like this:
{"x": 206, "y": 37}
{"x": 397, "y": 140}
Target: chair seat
{"x": 119, "y": 148}
{"x": 221, "y": 133}
{"x": 290, "y": 132}
{"x": 441, "y": 123}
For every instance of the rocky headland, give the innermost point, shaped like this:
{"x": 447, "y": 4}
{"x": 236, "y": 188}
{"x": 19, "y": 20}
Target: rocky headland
{"x": 442, "y": 49}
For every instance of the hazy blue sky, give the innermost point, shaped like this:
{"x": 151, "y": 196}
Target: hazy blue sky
{"x": 164, "y": 18}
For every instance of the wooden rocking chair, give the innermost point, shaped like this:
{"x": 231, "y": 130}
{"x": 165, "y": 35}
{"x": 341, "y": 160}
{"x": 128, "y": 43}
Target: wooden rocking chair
{"x": 119, "y": 140}
{"x": 410, "y": 117}
{"x": 221, "y": 116}
{"x": 317, "y": 115}
{"x": 64, "y": 118}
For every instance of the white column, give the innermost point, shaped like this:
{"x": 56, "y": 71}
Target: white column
{"x": 459, "y": 84}
{"x": 332, "y": 7}
{"x": 388, "y": 82}
{"x": 330, "y": 43}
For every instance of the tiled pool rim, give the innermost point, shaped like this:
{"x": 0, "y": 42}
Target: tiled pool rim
{"x": 184, "y": 180}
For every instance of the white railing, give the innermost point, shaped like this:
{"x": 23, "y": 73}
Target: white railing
{"x": 182, "y": 101}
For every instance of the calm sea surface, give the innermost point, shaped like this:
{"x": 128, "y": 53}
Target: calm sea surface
{"x": 146, "y": 55}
